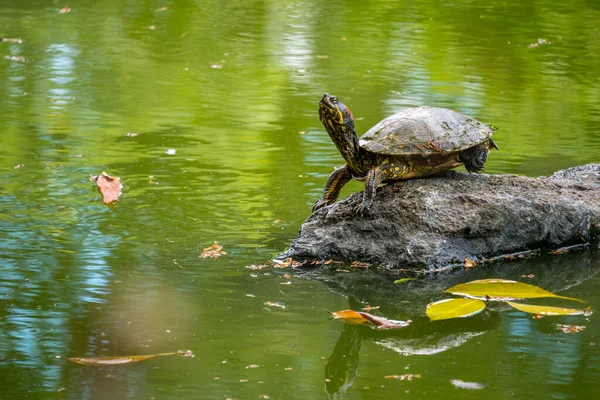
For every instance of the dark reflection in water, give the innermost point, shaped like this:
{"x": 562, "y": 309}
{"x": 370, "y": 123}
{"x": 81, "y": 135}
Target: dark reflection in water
{"x": 207, "y": 112}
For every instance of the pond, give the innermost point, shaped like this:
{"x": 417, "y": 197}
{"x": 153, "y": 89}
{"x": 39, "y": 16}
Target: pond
{"x": 207, "y": 111}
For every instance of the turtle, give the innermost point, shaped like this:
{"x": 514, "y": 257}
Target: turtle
{"x": 413, "y": 143}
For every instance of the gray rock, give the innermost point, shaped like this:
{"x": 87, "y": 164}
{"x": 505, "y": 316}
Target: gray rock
{"x": 428, "y": 223}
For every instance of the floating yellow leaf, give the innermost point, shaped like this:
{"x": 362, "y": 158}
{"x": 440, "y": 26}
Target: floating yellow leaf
{"x": 454, "y": 308}
{"x": 547, "y": 310}
{"x": 119, "y": 360}
{"x": 501, "y": 289}
{"x": 402, "y": 280}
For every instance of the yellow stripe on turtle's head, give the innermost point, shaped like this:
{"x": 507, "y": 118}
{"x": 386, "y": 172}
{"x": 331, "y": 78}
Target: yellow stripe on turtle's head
{"x": 334, "y": 112}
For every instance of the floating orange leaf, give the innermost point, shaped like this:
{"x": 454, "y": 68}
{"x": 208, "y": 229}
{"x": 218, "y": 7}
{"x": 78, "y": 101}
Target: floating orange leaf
{"x": 109, "y": 186}
{"x": 350, "y": 316}
{"x": 119, "y": 360}
{"x": 359, "y": 317}
{"x": 215, "y": 251}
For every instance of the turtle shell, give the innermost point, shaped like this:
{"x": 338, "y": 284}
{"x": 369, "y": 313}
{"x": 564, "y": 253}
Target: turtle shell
{"x": 425, "y": 130}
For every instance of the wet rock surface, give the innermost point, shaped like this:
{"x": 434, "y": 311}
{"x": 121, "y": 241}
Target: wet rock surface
{"x": 428, "y": 223}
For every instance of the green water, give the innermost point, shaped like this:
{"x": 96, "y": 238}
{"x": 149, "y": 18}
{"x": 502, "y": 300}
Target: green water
{"x": 223, "y": 97}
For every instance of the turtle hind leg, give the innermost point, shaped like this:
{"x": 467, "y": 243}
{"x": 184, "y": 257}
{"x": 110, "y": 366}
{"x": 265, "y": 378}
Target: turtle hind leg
{"x": 474, "y": 158}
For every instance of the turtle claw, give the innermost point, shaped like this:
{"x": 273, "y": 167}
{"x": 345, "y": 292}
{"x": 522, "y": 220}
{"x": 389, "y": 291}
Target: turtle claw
{"x": 319, "y": 204}
{"x": 362, "y": 209}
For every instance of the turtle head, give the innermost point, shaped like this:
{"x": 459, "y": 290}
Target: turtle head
{"x": 335, "y": 115}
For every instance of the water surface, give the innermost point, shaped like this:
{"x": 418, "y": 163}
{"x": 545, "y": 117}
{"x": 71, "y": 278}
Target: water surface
{"x": 207, "y": 112}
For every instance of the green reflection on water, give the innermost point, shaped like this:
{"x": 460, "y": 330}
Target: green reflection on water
{"x": 232, "y": 87}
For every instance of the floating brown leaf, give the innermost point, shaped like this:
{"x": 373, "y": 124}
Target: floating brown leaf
{"x": 12, "y": 40}
{"x": 570, "y": 328}
{"x": 470, "y": 263}
{"x": 275, "y": 304}
{"x": 358, "y": 264}
{"x": 64, "y": 10}
{"x": 119, "y": 360}
{"x": 256, "y": 267}
{"x": 215, "y": 251}
{"x": 288, "y": 262}
{"x": 15, "y": 58}
{"x": 109, "y": 186}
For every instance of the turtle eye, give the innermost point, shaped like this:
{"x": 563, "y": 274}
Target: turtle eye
{"x": 334, "y": 99}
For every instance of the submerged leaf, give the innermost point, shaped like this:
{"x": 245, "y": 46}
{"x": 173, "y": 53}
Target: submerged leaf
{"x": 547, "y": 310}
{"x": 402, "y": 280}
{"x": 466, "y": 385}
{"x": 405, "y": 377}
{"x": 103, "y": 361}
{"x": 501, "y": 290}
{"x": 454, "y": 308}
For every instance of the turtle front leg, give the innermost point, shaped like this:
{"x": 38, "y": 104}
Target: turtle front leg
{"x": 334, "y": 184}
{"x": 389, "y": 171}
